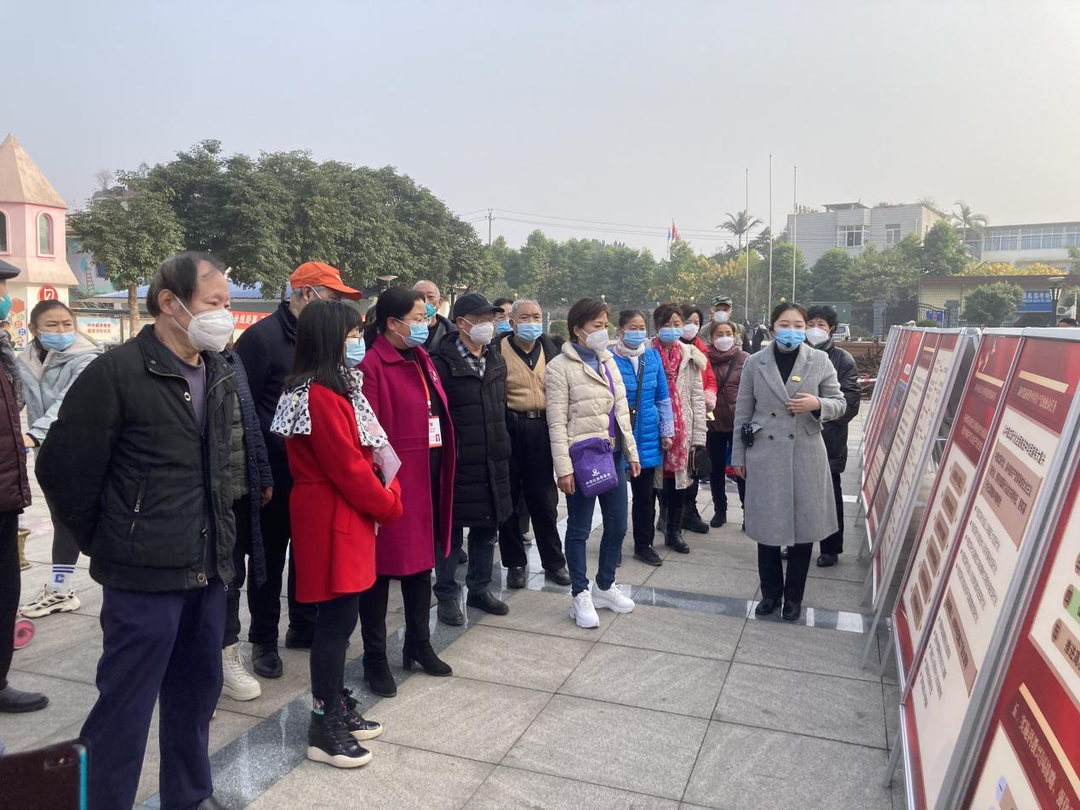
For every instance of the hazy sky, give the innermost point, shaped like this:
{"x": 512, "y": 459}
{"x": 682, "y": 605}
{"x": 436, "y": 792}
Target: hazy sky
{"x": 617, "y": 112}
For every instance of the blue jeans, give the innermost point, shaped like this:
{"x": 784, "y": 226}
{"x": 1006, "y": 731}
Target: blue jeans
{"x": 578, "y": 524}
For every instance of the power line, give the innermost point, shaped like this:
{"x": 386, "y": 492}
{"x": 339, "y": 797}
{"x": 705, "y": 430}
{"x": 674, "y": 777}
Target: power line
{"x": 602, "y": 222}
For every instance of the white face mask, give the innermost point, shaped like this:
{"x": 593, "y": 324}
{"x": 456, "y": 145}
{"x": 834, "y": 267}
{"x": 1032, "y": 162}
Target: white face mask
{"x": 724, "y": 343}
{"x": 690, "y": 330}
{"x": 210, "y": 331}
{"x": 598, "y": 340}
{"x": 815, "y": 336}
{"x": 720, "y": 316}
{"x": 482, "y": 333}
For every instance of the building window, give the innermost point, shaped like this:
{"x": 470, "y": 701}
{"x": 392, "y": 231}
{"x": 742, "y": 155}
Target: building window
{"x": 851, "y": 235}
{"x": 1004, "y": 239}
{"x": 1072, "y": 235}
{"x": 3, "y": 233}
{"x": 45, "y": 235}
{"x": 1046, "y": 237}
{"x": 892, "y": 234}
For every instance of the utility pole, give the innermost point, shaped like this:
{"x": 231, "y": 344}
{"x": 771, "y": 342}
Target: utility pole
{"x": 489, "y": 218}
{"x": 794, "y": 230}
{"x": 746, "y": 301}
{"x": 769, "y": 303}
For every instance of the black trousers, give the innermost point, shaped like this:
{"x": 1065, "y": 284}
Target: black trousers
{"x": 774, "y": 584}
{"x": 643, "y": 510}
{"x": 265, "y": 601}
{"x": 242, "y": 513}
{"x": 834, "y": 543}
{"x": 718, "y": 443}
{"x": 10, "y": 582}
{"x": 335, "y": 621}
{"x": 677, "y": 502}
{"x": 162, "y": 647}
{"x": 532, "y": 478}
{"x": 416, "y": 594}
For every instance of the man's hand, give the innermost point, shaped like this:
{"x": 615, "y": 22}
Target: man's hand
{"x": 804, "y": 403}
{"x": 635, "y": 469}
{"x": 566, "y": 484}
{"x": 739, "y": 471}
{"x": 265, "y": 494}
{"x": 28, "y": 441}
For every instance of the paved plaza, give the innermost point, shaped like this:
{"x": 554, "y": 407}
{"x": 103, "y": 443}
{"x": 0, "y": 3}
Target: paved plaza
{"x": 689, "y": 701}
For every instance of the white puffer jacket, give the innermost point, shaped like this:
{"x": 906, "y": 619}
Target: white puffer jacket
{"x": 579, "y": 403}
{"x": 692, "y": 396}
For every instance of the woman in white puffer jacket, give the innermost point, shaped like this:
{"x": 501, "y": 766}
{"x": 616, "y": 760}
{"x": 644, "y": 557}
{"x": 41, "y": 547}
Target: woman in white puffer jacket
{"x": 586, "y": 399}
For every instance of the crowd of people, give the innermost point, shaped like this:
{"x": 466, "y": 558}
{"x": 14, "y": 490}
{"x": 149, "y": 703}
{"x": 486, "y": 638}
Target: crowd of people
{"x": 331, "y": 452}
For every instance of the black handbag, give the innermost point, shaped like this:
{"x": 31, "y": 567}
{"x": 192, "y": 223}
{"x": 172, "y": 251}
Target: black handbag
{"x": 700, "y": 465}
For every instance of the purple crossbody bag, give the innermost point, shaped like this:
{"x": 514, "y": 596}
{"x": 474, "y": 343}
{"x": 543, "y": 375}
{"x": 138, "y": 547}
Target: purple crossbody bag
{"x": 594, "y": 459}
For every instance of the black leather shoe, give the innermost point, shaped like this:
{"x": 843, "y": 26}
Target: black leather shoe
{"x": 330, "y": 741}
{"x": 210, "y": 803}
{"x": 648, "y": 556}
{"x": 784, "y": 550}
{"x": 449, "y": 612}
{"x": 14, "y": 701}
{"x": 792, "y": 611}
{"x": 673, "y": 538}
{"x": 694, "y": 523}
{"x": 360, "y": 728}
{"x": 298, "y": 640}
{"x": 560, "y": 577}
{"x": 487, "y": 603}
{"x": 379, "y": 678}
{"x": 767, "y": 607}
{"x": 423, "y": 654}
{"x": 516, "y": 577}
{"x": 718, "y": 520}
{"x": 265, "y": 660}
{"x": 827, "y": 561}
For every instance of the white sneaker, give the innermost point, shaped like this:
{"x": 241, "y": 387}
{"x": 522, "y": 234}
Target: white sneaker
{"x": 237, "y": 682}
{"x": 51, "y": 601}
{"x": 612, "y": 599}
{"x": 583, "y": 612}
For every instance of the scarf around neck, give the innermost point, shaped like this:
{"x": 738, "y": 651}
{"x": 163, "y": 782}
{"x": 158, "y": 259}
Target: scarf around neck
{"x": 676, "y": 458}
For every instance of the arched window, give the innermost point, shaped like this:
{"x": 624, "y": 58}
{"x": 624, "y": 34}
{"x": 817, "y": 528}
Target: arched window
{"x": 45, "y": 235}
{"x": 3, "y": 233}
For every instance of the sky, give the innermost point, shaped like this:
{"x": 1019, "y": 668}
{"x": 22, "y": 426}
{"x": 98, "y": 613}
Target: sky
{"x": 603, "y": 114}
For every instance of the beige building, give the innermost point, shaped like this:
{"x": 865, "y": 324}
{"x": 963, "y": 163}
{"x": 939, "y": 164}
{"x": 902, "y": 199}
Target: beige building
{"x": 944, "y": 297}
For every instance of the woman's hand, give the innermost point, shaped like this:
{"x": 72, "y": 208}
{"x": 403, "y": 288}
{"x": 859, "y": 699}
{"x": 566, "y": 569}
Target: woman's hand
{"x": 566, "y": 484}
{"x": 265, "y": 494}
{"x": 739, "y": 471}
{"x": 28, "y": 441}
{"x": 665, "y": 443}
{"x": 635, "y": 469}
{"x": 804, "y": 403}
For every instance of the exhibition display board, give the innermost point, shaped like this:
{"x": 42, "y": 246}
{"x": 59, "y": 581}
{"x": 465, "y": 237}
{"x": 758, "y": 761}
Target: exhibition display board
{"x": 999, "y": 536}
{"x": 872, "y": 413}
{"x": 888, "y": 374}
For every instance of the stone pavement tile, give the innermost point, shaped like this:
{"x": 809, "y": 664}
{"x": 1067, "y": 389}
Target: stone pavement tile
{"x": 509, "y": 787}
{"x": 460, "y": 717}
{"x": 722, "y": 553}
{"x": 742, "y": 767}
{"x": 295, "y": 681}
{"x": 834, "y": 594}
{"x": 65, "y": 645}
{"x": 804, "y": 649}
{"x": 69, "y": 703}
{"x": 547, "y": 613}
{"x": 847, "y": 569}
{"x": 676, "y": 631}
{"x": 515, "y": 658}
{"x": 397, "y": 777}
{"x": 631, "y": 572}
{"x": 648, "y": 679}
{"x": 680, "y": 576}
{"x": 803, "y": 703}
{"x": 611, "y": 745}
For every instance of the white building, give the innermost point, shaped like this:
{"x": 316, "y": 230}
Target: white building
{"x": 1023, "y": 245}
{"x": 853, "y": 226}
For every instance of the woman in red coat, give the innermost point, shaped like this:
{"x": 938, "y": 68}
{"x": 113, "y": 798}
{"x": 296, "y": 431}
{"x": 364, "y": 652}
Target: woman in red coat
{"x": 336, "y": 449}
{"x": 404, "y": 390}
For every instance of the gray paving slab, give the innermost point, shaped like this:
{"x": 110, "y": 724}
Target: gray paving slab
{"x": 676, "y": 631}
{"x": 511, "y": 787}
{"x": 515, "y": 658}
{"x": 546, "y": 613}
{"x": 803, "y": 649}
{"x": 69, "y": 704}
{"x": 65, "y": 645}
{"x": 710, "y": 579}
{"x": 834, "y": 594}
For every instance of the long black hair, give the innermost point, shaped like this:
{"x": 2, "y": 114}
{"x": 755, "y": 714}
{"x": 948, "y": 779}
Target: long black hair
{"x": 320, "y": 344}
{"x": 395, "y": 302}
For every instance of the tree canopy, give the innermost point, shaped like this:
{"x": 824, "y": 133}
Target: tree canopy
{"x": 991, "y": 304}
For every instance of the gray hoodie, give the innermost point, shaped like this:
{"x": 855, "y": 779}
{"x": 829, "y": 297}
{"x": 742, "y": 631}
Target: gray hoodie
{"x": 46, "y": 383}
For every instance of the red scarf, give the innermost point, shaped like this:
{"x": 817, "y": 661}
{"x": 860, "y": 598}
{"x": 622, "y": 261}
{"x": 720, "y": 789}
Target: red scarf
{"x": 676, "y": 458}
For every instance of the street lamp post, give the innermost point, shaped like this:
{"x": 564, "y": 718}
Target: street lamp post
{"x": 1055, "y": 296}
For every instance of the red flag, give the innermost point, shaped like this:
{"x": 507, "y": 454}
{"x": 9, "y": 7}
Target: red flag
{"x": 674, "y": 232}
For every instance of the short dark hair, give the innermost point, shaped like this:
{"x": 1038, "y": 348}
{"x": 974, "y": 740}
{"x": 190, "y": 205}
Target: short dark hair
{"x": 825, "y": 312}
{"x": 628, "y": 315}
{"x": 498, "y": 302}
{"x": 714, "y": 325}
{"x": 1069, "y": 322}
{"x": 662, "y": 314}
{"x": 783, "y": 307}
{"x": 692, "y": 309}
{"x": 179, "y": 275}
{"x": 41, "y": 307}
{"x": 321, "y": 330}
{"x": 582, "y": 312}
{"x": 395, "y": 302}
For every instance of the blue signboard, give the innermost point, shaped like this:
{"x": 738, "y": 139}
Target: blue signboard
{"x": 1036, "y": 301}
{"x": 936, "y": 315}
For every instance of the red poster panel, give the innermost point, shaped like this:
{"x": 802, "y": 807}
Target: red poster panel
{"x": 877, "y": 456}
{"x": 1020, "y": 454}
{"x": 947, "y": 508}
{"x": 886, "y": 383}
{"x": 1031, "y": 754}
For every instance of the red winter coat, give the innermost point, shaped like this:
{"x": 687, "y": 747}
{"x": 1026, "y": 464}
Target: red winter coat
{"x": 708, "y": 377}
{"x": 395, "y": 389}
{"x": 335, "y": 502}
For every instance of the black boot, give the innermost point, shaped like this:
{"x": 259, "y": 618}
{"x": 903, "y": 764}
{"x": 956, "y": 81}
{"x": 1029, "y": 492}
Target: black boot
{"x": 360, "y": 728}
{"x": 661, "y": 519}
{"x": 265, "y": 660}
{"x": 378, "y": 676}
{"x": 423, "y": 654}
{"x": 692, "y": 521}
{"x": 673, "y": 534}
{"x": 719, "y": 518}
{"x": 330, "y": 741}
{"x": 647, "y": 555}
{"x": 14, "y": 701}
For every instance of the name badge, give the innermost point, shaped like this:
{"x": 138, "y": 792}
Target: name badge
{"x": 434, "y": 431}
{"x": 797, "y": 379}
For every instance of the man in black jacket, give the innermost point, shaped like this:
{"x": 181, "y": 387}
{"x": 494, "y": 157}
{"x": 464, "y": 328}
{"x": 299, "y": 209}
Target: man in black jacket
{"x": 137, "y": 468}
{"x": 821, "y": 323}
{"x": 438, "y": 326}
{"x": 267, "y": 350}
{"x": 474, "y": 379}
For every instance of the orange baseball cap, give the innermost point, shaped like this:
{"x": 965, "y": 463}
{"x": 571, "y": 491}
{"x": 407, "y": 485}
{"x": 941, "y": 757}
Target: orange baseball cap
{"x": 318, "y": 274}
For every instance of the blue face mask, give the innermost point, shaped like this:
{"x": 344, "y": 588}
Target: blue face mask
{"x": 529, "y": 332}
{"x": 633, "y": 338}
{"x": 669, "y": 334}
{"x": 354, "y": 351}
{"x": 418, "y": 334}
{"x": 503, "y": 328}
{"x": 790, "y": 338}
{"x": 430, "y": 311}
{"x": 56, "y": 341}
{"x": 5, "y": 307}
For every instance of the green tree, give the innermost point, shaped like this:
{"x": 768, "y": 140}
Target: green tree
{"x": 991, "y": 304}
{"x": 740, "y": 225}
{"x": 942, "y": 252}
{"x": 1074, "y": 257}
{"x": 968, "y": 220}
{"x": 829, "y": 275}
{"x": 884, "y": 275}
{"x": 129, "y": 234}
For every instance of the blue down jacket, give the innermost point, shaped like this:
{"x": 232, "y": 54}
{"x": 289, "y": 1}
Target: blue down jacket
{"x": 654, "y": 418}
